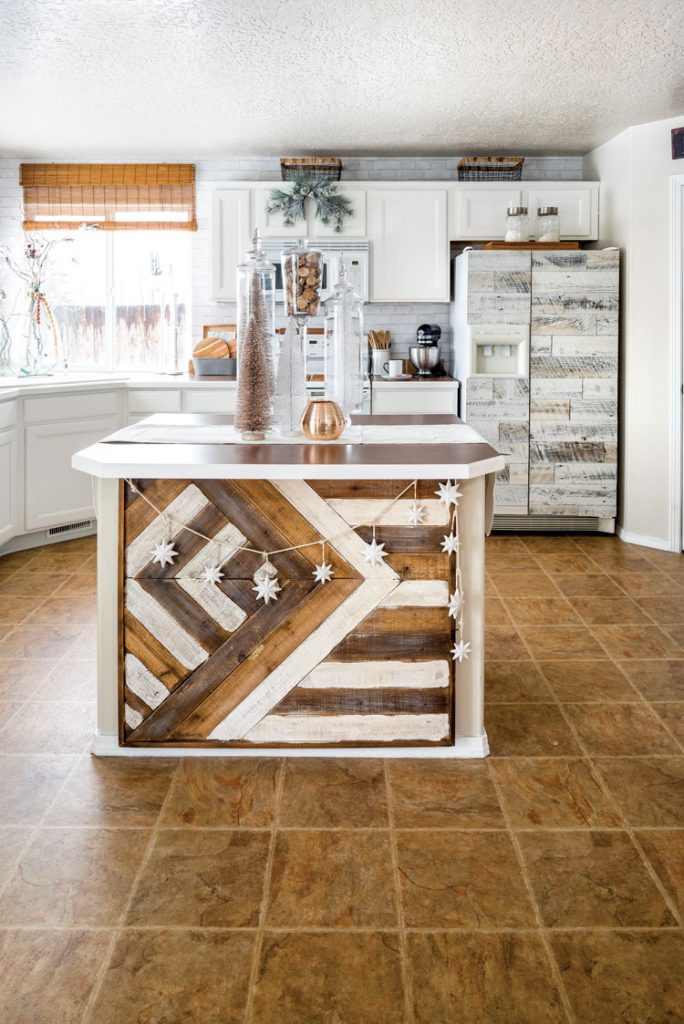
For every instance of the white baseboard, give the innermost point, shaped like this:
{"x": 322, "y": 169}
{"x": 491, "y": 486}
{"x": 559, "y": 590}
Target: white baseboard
{"x": 463, "y": 747}
{"x": 644, "y": 541}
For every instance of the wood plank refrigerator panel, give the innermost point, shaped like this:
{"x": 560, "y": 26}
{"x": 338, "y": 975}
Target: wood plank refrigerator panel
{"x": 573, "y": 383}
{"x": 498, "y": 294}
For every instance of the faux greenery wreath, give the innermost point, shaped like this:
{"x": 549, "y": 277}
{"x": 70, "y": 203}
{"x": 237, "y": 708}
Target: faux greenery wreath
{"x": 329, "y": 205}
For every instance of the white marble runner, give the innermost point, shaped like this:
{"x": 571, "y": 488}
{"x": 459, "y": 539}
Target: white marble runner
{"x": 443, "y": 433}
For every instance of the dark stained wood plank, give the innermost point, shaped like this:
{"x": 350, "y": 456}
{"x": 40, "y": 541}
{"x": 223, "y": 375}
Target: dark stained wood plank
{"x": 264, "y": 657}
{"x": 383, "y": 701}
{"x": 241, "y": 591}
{"x": 298, "y": 530}
{"x": 208, "y": 522}
{"x": 407, "y": 539}
{"x": 390, "y": 647}
{"x": 245, "y": 642}
{"x": 407, "y": 619}
{"x": 420, "y": 566}
{"x": 134, "y": 701}
{"x": 138, "y": 514}
{"x": 139, "y": 641}
{"x": 189, "y": 615}
{"x": 260, "y": 533}
{"x": 371, "y": 488}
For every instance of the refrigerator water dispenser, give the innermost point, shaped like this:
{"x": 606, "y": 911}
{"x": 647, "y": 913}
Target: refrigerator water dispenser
{"x": 500, "y": 350}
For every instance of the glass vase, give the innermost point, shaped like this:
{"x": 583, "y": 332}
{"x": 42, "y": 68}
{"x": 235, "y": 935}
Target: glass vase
{"x": 302, "y": 267}
{"x": 290, "y": 387}
{"x": 42, "y": 353}
{"x": 345, "y": 352}
{"x": 256, "y": 353}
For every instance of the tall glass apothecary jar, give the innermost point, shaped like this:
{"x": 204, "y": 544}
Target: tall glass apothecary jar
{"x": 345, "y": 362}
{"x": 302, "y": 268}
{"x": 256, "y": 343}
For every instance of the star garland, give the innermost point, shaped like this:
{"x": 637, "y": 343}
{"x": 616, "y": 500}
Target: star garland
{"x": 265, "y": 578}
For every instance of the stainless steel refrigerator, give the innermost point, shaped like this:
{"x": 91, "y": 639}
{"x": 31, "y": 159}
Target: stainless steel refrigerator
{"x": 535, "y": 347}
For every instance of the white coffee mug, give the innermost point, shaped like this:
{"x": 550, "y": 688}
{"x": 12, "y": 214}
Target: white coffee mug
{"x": 394, "y": 367}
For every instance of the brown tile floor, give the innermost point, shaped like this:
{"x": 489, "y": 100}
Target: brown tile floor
{"x": 545, "y": 884}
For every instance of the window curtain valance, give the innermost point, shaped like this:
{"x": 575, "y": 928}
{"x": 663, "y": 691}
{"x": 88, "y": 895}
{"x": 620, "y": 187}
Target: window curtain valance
{"x": 113, "y": 197}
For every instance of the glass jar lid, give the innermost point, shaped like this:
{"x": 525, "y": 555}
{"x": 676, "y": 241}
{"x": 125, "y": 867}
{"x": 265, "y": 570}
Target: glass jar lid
{"x": 256, "y": 258}
{"x": 516, "y": 211}
{"x": 547, "y": 211}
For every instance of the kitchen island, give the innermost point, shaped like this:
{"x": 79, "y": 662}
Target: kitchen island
{"x": 292, "y": 597}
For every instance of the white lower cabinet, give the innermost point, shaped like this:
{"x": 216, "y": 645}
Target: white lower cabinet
{"x": 56, "y": 494}
{"x": 414, "y": 399}
{"x": 214, "y": 400}
{"x": 9, "y": 484}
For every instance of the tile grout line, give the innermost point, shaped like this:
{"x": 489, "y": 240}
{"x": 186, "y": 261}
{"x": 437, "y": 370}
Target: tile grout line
{"x": 36, "y": 827}
{"x": 260, "y": 928}
{"x": 541, "y": 930}
{"x": 394, "y": 852}
{"x": 595, "y": 770}
{"x": 119, "y": 926}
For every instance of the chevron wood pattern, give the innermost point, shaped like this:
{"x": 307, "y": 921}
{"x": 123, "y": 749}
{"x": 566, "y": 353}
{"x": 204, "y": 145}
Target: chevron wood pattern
{"x": 363, "y": 659}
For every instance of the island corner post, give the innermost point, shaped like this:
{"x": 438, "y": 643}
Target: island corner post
{"x": 359, "y": 666}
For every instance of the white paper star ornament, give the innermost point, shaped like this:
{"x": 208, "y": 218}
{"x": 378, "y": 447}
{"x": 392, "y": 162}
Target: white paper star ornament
{"x": 460, "y": 651}
{"x": 164, "y": 553}
{"x": 323, "y": 573}
{"x": 448, "y": 493}
{"x": 450, "y": 544}
{"x": 375, "y": 553}
{"x": 211, "y": 574}
{"x": 267, "y": 589}
{"x": 416, "y": 514}
{"x": 455, "y": 604}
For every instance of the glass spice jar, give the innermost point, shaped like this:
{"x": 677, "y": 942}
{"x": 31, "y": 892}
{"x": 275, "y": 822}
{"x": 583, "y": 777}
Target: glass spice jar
{"x": 517, "y": 224}
{"x": 548, "y": 224}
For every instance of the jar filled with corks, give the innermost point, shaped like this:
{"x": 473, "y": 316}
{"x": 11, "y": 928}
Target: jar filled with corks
{"x": 302, "y": 277}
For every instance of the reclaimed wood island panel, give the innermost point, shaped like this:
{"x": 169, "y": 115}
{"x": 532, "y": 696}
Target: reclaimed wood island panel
{"x": 192, "y": 655}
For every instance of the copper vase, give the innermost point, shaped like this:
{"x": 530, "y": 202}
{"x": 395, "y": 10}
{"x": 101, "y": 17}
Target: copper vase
{"x": 323, "y": 420}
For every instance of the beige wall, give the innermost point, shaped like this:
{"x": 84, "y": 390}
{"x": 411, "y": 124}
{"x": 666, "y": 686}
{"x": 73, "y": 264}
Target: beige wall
{"x": 635, "y": 170}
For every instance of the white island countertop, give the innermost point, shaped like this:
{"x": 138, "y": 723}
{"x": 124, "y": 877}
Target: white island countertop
{"x": 204, "y": 447}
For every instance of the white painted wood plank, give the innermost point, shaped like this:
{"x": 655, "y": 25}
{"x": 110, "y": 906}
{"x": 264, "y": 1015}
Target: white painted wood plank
{"x": 329, "y": 524}
{"x": 132, "y": 717}
{"x": 231, "y": 539}
{"x": 373, "y": 675}
{"x": 303, "y": 659}
{"x": 163, "y": 626}
{"x": 184, "y": 509}
{"x": 142, "y": 683}
{"x": 419, "y": 594}
{"x": 349, "y": 728}
{"x": 361, "y": 511}
{"x": 216, "y": 604}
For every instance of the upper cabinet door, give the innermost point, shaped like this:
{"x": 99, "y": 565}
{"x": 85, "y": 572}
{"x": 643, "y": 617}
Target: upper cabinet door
{"x": 272, "y": 225}
{"x": 352, "y": 227}
{"x": 478, "y": 212}
{"x": 230, "y": 233}
{"x": 407, "y": 229}
{"x": 577, "y": 208}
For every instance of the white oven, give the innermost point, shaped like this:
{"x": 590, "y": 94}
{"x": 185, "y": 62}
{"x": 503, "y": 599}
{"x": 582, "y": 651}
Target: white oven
{"x": 354, "y": 251}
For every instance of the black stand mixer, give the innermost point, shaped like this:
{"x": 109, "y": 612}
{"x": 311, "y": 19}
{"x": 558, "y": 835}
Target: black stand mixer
{"x": 425, "y": 355}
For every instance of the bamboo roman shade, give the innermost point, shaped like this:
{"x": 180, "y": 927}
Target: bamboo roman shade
{"x": 115, "y": 197}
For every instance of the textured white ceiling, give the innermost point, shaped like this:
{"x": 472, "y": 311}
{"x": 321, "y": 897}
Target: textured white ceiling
{"x": 199, "y": 77}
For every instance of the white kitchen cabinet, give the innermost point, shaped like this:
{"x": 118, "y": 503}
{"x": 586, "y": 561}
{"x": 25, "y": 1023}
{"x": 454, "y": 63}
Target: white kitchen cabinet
{"x": 229, "y": 239}
{"x": 9, "y": 484}
{"x": 419, "y": 398}
{"x": 478, "y": 211}
{"x": 353, "y": 226}
{"x": 407, "y": 229}
{"x": 56, "y": 494}
{"x": 212, "y": 400}
{"x": 577, "y": 208}
{"x": 146, "y": 401}
{"x": 272, "y": 225}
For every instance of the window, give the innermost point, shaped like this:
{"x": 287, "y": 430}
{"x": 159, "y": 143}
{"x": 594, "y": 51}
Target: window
{"x": 122, "y": 299}
{"x": 120, "y": 290}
